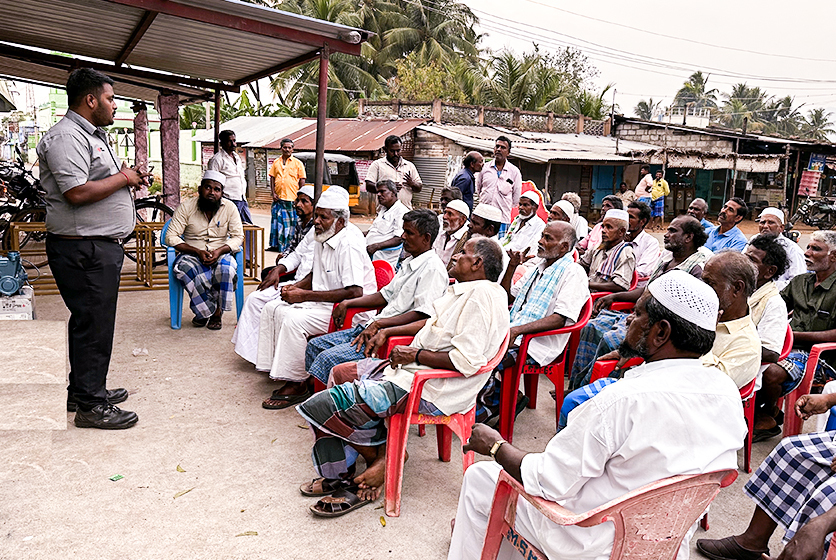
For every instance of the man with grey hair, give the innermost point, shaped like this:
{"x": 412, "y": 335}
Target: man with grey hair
{"x": 578, "y": 222}
{"x": 698, "y": 209}
{"x": 454, "y": 228}
{"x": 771, "y": 221}
{"x": 341, "y": 270}
{"x": 601, "y": 455}
{"x": 466, "y": 329}
{"x": 384, "y": 236}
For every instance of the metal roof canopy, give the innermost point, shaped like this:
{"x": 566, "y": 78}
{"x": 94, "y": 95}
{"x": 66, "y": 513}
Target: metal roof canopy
{"x": 190, "y": 47}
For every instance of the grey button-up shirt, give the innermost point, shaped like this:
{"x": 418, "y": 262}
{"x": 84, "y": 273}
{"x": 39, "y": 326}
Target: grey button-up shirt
{"x": 71, "y": 153}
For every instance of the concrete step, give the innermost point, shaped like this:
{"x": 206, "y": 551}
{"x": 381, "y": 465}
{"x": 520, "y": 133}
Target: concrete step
{"x": 33, "y": 375}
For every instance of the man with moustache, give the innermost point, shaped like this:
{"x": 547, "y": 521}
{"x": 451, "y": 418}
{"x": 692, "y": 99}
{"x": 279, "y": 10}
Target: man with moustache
{"x": 205, "y": 231}
{"x": 465, "y": 180}
{"x": 89, "y": 211}
{"x": 525, "y": 230}
{"x": 611, "y": 264}
{"x": 400, "y": 171}
{"x": 454, "y": 225}
{"x": 771, "y": 221}
{"x": 698, "y": 209}
{"x": 387, "y": 226}
{"x": 500, "y": 184}
{"x": 727, "y": 235}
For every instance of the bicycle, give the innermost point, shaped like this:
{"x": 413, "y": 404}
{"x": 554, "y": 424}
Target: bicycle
{"x": 149, "y": 209}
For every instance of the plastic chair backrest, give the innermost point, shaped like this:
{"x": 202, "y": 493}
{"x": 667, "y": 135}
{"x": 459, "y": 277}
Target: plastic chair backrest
{"x": 383, "y": 273}
{"x": 788, "y": 342}
{"x": 542, "y": 211}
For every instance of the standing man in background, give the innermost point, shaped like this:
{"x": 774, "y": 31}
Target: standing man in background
{"x": 287, "y": 176}
{"x": 500, "y": 184}
{"x": 658, "y": 193}
{"x": 89, "y": 211}
{"x": 395, "y": 168}
{"x": 465, "y": 181}
{"x": 228, "y": 162}
{"x": 644, "y": 188}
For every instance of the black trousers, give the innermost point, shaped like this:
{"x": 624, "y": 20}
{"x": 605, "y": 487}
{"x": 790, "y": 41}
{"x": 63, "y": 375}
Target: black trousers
{"x": 87, "y": 273}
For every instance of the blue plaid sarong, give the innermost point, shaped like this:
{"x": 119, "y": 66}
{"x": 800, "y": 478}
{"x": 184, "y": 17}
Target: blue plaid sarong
{"x": 282, "y": 224}
{"x": 503, "y": 229}
{"x": 580, "y": 396}
{"x": 601, "y": 335}
{"x": 794, "y": 365}
{"x": 532, "y": 301}
{"x": 326, "y": 351}
{"x": 207, "y": 286}
{"x": 657, "y": 209}
{"x": 794, "y": 483}
{"x": 353, "y": 413}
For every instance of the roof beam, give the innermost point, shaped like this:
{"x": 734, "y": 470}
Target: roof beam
{"x": 140, "y": 30}
{"x": 287, "y": 65}
{"x": 67, "y": 63}
{"x": 247, "y": 25}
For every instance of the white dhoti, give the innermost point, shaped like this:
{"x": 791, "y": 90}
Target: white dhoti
{"x": 283, "y": 335}
{"x": 245, "y": 337}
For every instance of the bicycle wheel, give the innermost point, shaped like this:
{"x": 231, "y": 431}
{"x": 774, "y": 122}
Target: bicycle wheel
{"x": 32, "y": 244}
{"x": 148, "y": 211}
{"x": 7, "y": 211}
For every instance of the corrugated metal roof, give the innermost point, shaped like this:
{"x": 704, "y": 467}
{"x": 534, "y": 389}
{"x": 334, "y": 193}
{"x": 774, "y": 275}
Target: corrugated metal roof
{"x": 350, "y": 135}
{"x": 257, "y": 132}
{"x": 535, "y": 152}
{"x": 225, "y": 41}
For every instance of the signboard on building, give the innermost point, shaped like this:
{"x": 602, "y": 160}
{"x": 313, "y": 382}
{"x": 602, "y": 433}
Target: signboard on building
{"x": 809, "y": 185}
{"x": 817, "y": 162}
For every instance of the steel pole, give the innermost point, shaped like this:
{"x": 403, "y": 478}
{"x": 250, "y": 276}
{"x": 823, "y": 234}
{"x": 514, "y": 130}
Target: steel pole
{"x": 321, "y": 114}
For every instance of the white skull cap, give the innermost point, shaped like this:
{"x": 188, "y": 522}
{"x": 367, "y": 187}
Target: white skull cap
{"x": 335, "y": 198}
{"x": 213, "y": 175}
{"x": 532, "y": 196}
{"x": 773, "y": 212}
{"x": 567, "y": 207}
{"x": 307, "y": 190}
{"x": 459, "y": 206}
{"x": 692, "y": 299}
{"x": 488, "y": 212}
{"x": 617, "y": 214}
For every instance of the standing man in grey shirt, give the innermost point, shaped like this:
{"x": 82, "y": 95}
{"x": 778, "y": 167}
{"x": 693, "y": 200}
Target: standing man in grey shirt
{"x": 89, "y": 211}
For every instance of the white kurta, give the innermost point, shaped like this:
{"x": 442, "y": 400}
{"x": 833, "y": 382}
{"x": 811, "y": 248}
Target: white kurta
{"x": 444, "y": 246}
{"x": 245, "y": 337}
{"x": 284, "y": 329}
{"x": 665, "y": 418}
{"x": 387, "y": 224}
{"x": 525, "y": 237}
{"x": 797, "y": 264}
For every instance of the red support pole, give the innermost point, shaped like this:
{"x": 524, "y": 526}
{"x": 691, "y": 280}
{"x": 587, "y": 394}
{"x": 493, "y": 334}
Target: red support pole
{"x": 321, "y": 114}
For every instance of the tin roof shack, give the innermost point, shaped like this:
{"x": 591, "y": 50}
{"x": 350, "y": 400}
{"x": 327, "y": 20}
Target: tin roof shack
{"x": 715, "y": 163}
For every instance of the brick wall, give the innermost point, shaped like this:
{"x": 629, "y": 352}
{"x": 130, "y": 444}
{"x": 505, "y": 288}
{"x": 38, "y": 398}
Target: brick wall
{"x": 679, "y": 139}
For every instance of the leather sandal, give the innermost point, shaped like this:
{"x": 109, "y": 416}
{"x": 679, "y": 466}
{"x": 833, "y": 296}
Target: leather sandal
{"x": 215, "y": 324}
{"x": 327, "y": 486}
{"x": 728, "y": 549}
{"x": 339, "y": 503}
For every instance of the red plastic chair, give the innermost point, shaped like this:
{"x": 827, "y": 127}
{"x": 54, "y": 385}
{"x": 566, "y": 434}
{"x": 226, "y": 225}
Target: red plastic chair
{"x": 383, "y": 273}
{"x": 650, "y": 522}
{"x": 460, "y": 424}
{"x": 555, "y": 372}
{"x": 792, "y": 423}
{"x": 603, "y": 368}
{"x": 542, "y": 211}
{"x": 633, "y": 283}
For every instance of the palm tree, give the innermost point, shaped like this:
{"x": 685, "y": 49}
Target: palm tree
{"x": 646, "y": 109}
{"x": 533, "y": 82}
{"x": 751, "y": 104}
{"x": 818, "y": 125}
{"x": 782, "y": 119}
{"x": 694, "y": 92}
{"x": 590, "y": 104}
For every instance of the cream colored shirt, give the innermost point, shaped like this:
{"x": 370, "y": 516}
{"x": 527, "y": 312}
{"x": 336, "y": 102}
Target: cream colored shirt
{"x": 189, "y": 225}
{"x": 444, "y": 246}
{"x": 235, "y": 187}
{"x": 624, "y": 266}
{"x": 418, "y": 283}
{"x": 736, "y": 351}
{"x": 381, "y": 169}
{"x": 470, "y": 322}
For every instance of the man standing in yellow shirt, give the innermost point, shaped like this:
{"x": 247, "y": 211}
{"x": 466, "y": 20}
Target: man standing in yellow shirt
{"x": 658, "y": 193}
{"x": 287, "y": 176}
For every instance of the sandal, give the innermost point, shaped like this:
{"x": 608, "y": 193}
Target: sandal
{"x": 339, "y": 503}
{"x": 215, "y": 324}
{"x": 279, "y": 402}
{"x": 200, "y": 323}
{"x": 327, "y": 486}
{"x": 727, "y": 549}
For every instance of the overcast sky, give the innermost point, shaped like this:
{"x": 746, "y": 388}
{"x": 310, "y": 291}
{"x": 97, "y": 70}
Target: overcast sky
{"x": 794, "y": 39}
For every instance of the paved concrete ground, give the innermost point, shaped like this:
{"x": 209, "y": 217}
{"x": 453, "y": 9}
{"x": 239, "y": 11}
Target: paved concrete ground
{"x": 199, "y": 409}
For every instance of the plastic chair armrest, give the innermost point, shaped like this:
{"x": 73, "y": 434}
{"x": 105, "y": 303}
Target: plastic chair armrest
{"x": 391, "y": 342}
{"x": 622, "y": 306}
{"x": 748, "y": 390}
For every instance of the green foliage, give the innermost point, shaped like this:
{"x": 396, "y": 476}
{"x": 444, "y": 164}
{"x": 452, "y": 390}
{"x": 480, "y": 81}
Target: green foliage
{"x": 646, "y": 109}
{"x": 693, "y": 92}
{"x": 414, "y": 81}
{"x": 817, "y": 125}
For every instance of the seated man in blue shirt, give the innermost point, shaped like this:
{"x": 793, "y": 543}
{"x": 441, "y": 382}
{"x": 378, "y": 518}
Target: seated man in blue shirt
{"x": 727, "y": 235}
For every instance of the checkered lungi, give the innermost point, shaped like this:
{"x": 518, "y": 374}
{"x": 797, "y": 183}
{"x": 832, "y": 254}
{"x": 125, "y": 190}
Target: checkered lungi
{"x": 353, "y": 413}
{"x": 601, "y": 335}
{"x": 503, "y": 229}
{"x": 794, "y": 483}
{"x": 282, "y": 224}
{"x": 580, "y": 396}
{"x": 646, "y": 199}
{"x": 207, "y": 286}
{"x": 326, "y": 351}
{"x": 794, "y": 365}
{"x": 657, "y": 209}
{"x": 487, "y": 401}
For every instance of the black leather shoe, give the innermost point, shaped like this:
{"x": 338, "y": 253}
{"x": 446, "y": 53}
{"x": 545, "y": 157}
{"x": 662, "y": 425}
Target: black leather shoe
{"x": 114, "y": 396}
{"x": 105, "y": 417}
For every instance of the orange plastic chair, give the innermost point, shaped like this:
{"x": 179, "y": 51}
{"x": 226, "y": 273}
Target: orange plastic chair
{"x": 555, "y": 372}
{"x": 650, "y": 522}
{"x": 792, "y": 423}
{"x": 542, "y": 211}
{"x": 460, "y": 424}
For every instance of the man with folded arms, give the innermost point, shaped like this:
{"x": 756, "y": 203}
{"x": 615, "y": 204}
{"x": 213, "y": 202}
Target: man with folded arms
{"x": 626, "y": 437}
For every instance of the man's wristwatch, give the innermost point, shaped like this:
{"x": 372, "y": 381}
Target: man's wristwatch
{"x": 495, "y": 448}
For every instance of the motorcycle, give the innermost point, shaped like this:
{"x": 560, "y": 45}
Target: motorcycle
{"x": 816, "y": 212}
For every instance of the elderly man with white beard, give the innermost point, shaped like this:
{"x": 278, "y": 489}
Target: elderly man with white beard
{"x": 454, "y": 226}
{"x": 341, "y": 270}
{"x": 524, "y": 232}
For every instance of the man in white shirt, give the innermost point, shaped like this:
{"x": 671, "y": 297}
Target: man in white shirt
{"x": 525, "y": 230}
{"x": 771, "y": 220}
{"x": 644, "y": 188}
{"x": 341, "y": 270}
{"x": 466, "y": 330}
{"x": 395, "y": 168}
{"x": 578, "y": 222}
{"x": 228, "y": 162}
{"x": 500, "y": 183}
{"x": 624, "y": 438}
{"x": 645, "y": 246}
{"x": 387, "y": 227}
{"x": 421, "y": 279}
{"x": 298, "y": 260}
{"x": 454, "y": 225}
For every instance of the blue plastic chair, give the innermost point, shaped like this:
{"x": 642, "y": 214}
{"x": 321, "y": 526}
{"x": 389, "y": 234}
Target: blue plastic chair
{"x": 175, "y": 287}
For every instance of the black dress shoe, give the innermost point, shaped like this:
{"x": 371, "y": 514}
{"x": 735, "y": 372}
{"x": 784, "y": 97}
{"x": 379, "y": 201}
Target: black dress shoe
{"x": 105, "y": 417}
{"x": 114, "y": 396}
